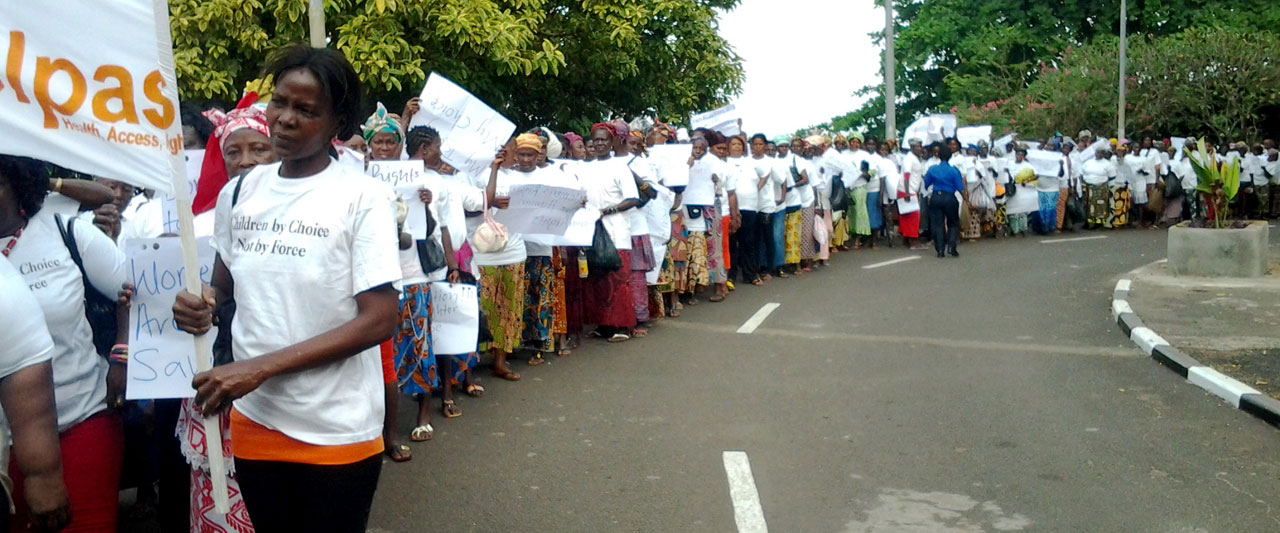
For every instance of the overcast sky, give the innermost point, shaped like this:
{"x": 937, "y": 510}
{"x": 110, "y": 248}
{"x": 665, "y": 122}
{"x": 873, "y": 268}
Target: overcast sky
{"x": 803, "y": 59}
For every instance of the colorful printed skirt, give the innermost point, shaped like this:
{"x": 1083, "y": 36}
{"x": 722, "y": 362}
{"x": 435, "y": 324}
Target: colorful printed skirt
{"x": 1048, "y": 211}
{"x": 793, "y": 234}
{"x": 416, "y": 368}
{"x": 715, "y": 246}
{"x": 608, "y": 298}
{"x": 192, "y": 442}
{"x": 1098, "y": 204}
{"x": 971, "y": 226}
{"x": 641, "y": 253}
{"x": 691, "y": 273}
{"x": 539, "y": 304}
{"x": 1121, "y": 204}
{"x": 1062, "y": 207}
{"x": 840, "y": 233}
{"x": 502, "y": 290}
{"x": 560, "y": 311}
{"x": 859, "y": 217}
{"x": 808, "y": 246}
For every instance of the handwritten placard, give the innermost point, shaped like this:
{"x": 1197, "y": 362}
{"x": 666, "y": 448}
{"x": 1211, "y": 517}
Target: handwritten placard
{"x": 701, "y": 190}
{"x": 581, "y": 230}
{"x": 540, "y": 209}
{"x": 1045, "y": 162}
{"x": 455, "y": 318}
{"x": 161, "y": 356}
{"x": 472, "y": 132}
{"x": 396, "y": 173}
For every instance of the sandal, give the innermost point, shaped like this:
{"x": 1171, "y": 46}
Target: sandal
{"x": 475, "y": 391}
{"x": 758, "y": 283}
{"x": 564, "y": 351}
{"x": 639, "y": 332}
{"x": 716, "y": 299}
{"x": 619, "y": 337}
{"x": 506, "y": 374}
{"x": 536, "y": 359}
{"x": 400, "y": 453}
{"x": 450, "y": 409}
{"x": 422, "y": 433}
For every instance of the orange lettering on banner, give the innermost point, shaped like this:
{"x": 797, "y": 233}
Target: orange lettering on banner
{"x": 17, "y": 47}
{"x": 122, "y": 92}
{"x": 45, "y": 69}
{"x": 151, "y": 87}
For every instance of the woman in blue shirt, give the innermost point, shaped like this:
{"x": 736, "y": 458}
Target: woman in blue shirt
{"x": 944, "y": 208}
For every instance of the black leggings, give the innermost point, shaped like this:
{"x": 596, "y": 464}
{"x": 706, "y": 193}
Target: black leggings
{"x": 287, "y": 497}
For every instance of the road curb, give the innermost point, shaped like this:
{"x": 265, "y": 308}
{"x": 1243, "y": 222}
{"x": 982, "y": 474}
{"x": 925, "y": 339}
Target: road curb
{"x": 1234, "y": 392}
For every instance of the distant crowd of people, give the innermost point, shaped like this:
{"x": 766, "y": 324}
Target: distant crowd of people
{"x": 323, "y": 330}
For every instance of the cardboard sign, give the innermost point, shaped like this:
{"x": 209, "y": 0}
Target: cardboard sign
{"x": 540, "y": 209}
{"x": 972, "y": 134}
{"x": 581, "y": 230}
{"x": 396, "y": 173}
{"x": 455, "y": 318}
{"x": 471, "y": 131}
{"x": 1045, "y": 162}
{"x": 701, "y": 190}
{"x": 161, "y": 356}
{"x": 723, "y": 120}
{"x": 84, "y": 89}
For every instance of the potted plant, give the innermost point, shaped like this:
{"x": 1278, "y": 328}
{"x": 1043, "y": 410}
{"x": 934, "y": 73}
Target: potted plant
{"x": 1217, "y": 245}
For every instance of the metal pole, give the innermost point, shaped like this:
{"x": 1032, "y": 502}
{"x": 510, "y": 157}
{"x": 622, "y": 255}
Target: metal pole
{"x": 315, "y": 13}
{"x": 890, "y": 93}
{"x": 1124, "y": 45}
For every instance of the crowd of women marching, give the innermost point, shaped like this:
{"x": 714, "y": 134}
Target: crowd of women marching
{"x": 323, "y": 330}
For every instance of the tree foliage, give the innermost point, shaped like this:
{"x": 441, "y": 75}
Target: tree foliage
{"x": 560, "y": 62}
{"x": 964, "y": 52}
{"x": 1199, "y": 82}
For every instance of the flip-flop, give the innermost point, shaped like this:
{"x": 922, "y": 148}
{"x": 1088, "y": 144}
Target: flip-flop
{"x": 400, "y": 453}
{"x": 716, "y": 299}
{"x": 564, "y": 352}
{"x": 619, "y": 337}
{"x": 450, "y": 409}
{"x": 422, "y": 433}
{"x": 639, "y": 332}
{"x": 536, "y": 360}
{"x": 475, "y": 391}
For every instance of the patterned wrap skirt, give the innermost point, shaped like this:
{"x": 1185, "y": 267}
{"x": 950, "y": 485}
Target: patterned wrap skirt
{"x": 691, "y": 272}
{"x": 1048, "y": 211}
{"x": 608, "y": 298}
{"x": 192, "y": 443}
{"x": 1062, "y": 207}
{"x": 840, "y": 232}
{"x": 793, "y": 233}
{"x": 539, "y": 304}
{"x": 859, "y": 218}
{"x": 1098, "y": 204}
{"x": 1121, "y": 204}
{"x": 560, "y": 311}
{"x": 416, "y": 368}
{"x": 1018, "y": 223}
{"x": 502, "y": 291}
{"x": 808, "y": 245}
{"x": 715, "y": 246}
{"x": 642, "y": 258}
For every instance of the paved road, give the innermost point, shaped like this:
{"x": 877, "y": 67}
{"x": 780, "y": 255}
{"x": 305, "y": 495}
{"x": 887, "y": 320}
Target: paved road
{"x": 990, "y": 392}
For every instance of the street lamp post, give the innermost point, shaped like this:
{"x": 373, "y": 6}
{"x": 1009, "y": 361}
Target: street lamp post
{"x": 890, "y": 94}
{"x": 1124, "y": 45}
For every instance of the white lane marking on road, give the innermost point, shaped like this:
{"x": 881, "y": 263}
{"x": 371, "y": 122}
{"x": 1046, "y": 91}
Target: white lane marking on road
{"x": 754, "y": 322}
{"x": 742, "y": 489}
{"x": 1073, "y": 239}
{"x": 891, "y": 262}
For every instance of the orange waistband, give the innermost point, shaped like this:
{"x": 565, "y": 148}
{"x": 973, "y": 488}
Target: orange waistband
{"x": 255, "y": 442}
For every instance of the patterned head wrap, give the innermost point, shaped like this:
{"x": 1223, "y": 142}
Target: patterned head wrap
{"x": 857, "y": 135}
{"x": 572, "y": 138}
{"x": 620, "y": 128}
{"x": 245, "y": 115}
{"x": 381, "y": 121}
{"x": 603, "y": 126}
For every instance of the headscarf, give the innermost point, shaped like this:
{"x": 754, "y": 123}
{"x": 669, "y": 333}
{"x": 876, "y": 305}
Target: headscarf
{"x": 1084, "y": 135}
{"x": 529, "y": 140}
{"x": 620, "y": 128}
{"x": 915, "y": 141}
{"x": 814, "y": 140}
{"x": 841, "y": 138}
{"x": 682, "y": 135}
{"x": 605, "y": 126}
{"x": 554, "y": 146}
{"x": 213, "y": 169}
{"x": 381, "y": 121}
{"x": 857, "y": 135}
{"x": 571, "y": 137}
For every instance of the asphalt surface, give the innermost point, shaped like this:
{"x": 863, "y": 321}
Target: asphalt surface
{"x": 992, "y": 392}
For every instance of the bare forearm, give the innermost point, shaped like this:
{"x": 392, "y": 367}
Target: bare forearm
{"x": 91, "y": 195}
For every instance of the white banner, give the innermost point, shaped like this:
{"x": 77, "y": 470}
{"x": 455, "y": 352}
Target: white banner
{"x": 471, "y": 131}
{"x": 83, "y": 89}
{"x": 972, "y": 134}
{"x": 724, "y": 120}
{"x": 930, "y": 129}
{"x": 455, "y": 318}
{"x": 162, "y": 357}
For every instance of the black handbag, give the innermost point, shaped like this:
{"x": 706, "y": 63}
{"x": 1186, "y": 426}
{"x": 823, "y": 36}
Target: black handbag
{"x": 839, "y": 194}
{"x": 1173, "y": 187}
{"x": 603, "y": 255}
{"x": 430, "y": 254}
{"x": 99, "y": 309}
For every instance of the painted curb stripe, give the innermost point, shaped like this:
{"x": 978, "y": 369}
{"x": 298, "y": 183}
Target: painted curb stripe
{"x": 1219, "y": 384}
{"x": 1146, "y": 339}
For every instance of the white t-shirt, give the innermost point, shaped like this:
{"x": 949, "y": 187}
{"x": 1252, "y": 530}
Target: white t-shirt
{"x": 1097, "y": 171}
{"x": 26, "y": 342}
{"x": 514, "y": 252}
{"x": 766, "y": 167}
{"x": 300, "y": 250}
{"x": 644, "y": 168}
{"x": 745, "y": 183}
{"x": 42, "y": 258}
{"x": 609, "y": 183}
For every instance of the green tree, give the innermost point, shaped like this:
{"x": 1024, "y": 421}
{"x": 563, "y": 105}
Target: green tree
{"x": 558, "y": 62}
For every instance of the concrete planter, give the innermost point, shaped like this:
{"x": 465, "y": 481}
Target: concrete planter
{"x": 1218, "y": 253}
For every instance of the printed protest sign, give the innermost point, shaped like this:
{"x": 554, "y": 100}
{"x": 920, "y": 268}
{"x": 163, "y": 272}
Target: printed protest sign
{"x": 724, "y": 120}
{"x": 471, "y": 131}
{"x": 161, "y": 356}
{"x": 973, "y": 134}
{"x": 701, "y": 190}
{"x": 455, "y": 318}
{"x": 84, "y": 89}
